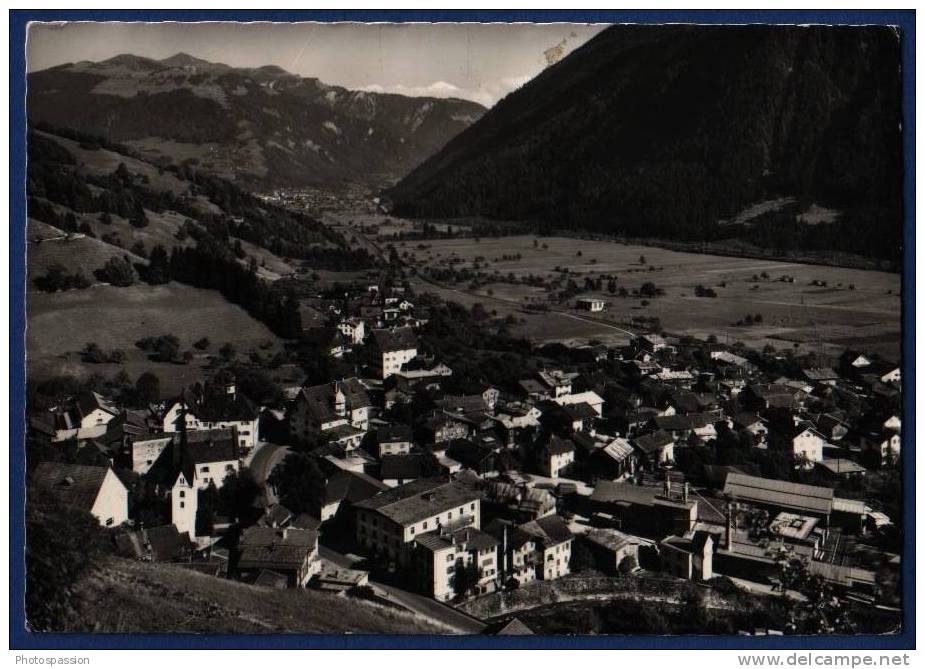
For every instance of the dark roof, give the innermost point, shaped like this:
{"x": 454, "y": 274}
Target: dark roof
{"x": 401, "y": 467}
{"x": 653, "y": 442}
{"x": 399, "y": 339}
{"x": 580, "y": 411}
{"x": 320, "y": 399}
{"x": 393, "y": 433}
{"x": 558, "y": 446}
{"x": 419, "y": 499}
{"x": 74, "y": 485}
{"x": 783, "y": 494}
{"x": 276, "y": 515}
{"x": 611, "y": 492}
{"x": 352, "y": 487}
{"x": 273, "y": 548}
{"x": 745, "y": 419}
{"x": 469, "y": 453}
{"x": 550, "y": 530}
{"x": 305, "y": 521}
{"x": 471, "y": 538}
{"x": 464, "y": 404}
{"x": 160, "y": 544}
{"x": 211, "y": 446}
{"x": 222, "y": 406}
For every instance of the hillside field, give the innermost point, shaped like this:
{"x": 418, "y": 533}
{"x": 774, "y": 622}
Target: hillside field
{"x": 122, "y": 596}
{"x": 61, "y": 324}
{"x": 833, "y": 316}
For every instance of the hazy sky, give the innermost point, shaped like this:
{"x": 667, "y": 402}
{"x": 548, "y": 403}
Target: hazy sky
{"x": 480, "y": 62}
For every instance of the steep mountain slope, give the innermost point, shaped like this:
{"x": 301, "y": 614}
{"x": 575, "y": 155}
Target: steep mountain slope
{"x": 673, "y": 130}
{"x": 264, "y": 126}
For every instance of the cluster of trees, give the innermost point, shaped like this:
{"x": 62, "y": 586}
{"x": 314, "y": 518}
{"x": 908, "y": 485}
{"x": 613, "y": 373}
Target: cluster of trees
{"x": 163, "y": 348}
{"x": 58, "y": 278}
{"x": 213, "y": 265}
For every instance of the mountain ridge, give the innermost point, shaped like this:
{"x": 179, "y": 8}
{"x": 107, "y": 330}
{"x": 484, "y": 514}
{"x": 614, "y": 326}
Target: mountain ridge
{"x": 263, "y": 126}
{"x": 665, "y": 131}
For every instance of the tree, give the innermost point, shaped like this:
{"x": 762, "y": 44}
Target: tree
{"x": 238, "y": 493}
{"x": 117, "y": 271}
{"x": 465, "y": 578}
{"x": 93, "y": 353}
{"x": 158, "y": 270}
{"x": 642, "y": 260}
{"x": 147, "y": 388}
{"x": 299, "y": 483}
{"x": 167, "y": 348}
{"x": 227, "y": 351}
{"x": 202, "y": 344}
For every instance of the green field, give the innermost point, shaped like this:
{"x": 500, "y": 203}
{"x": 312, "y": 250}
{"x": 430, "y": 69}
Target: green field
{"x": 61, "y": 324}
{"x": 831, "y": 317}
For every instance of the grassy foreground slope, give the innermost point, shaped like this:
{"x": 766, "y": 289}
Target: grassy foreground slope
{"x": 126, "y": 596}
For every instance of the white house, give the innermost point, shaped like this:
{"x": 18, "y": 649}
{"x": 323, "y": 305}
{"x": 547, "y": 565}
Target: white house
{"x": 338, "y": 411}
{"x": 211, "y": 456}
{"x": 84, "y": 416}
{"x": 393, "y": 349}
{"x": 354, "y": 329}
{"x": 220, "y": 410}
{"x": 590, "y": 304}
{"x": 94, "y": 489}
{"x": 806, "y": 442}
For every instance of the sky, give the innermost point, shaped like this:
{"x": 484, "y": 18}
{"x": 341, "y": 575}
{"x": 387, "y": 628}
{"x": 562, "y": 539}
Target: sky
{"x": 479, "y": 62}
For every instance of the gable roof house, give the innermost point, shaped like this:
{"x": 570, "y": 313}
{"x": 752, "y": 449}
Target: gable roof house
{"x": 553, "y": 541}
{"x": 331, "y": 412}
{"x": 287, "y": 551}
{"x": 84, "y": 416}
{"x": 210, "y": 456}
{"x": 556, "y": 456}
{"x": 655, "y": 448}
{"x": 96, "y": 490}
{"x": 219, "y": 410}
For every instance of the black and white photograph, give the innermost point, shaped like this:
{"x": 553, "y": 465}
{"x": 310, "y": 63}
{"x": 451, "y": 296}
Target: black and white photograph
{"x": 462, "y": 328}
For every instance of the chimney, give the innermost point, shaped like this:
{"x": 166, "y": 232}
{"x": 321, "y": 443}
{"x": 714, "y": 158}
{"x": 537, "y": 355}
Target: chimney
{"x": 687, "y": 488}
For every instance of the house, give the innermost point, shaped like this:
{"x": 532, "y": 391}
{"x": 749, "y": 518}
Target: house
{"x": 517, "y": 553}
{"x": 805, "y": 442}
{"x": 441, "y": 427}
{"x": 650, "y": 342}
{"x": 96, "y": 490}
{"x": 689, "y": 556}
{"x": 754, "y": 424}
{"x": 329, "y": 341}
{"x": 591, "y": 304}
{"x": 831, "y": 427}
{"x": 612, "y": 550}
{"x": 645, "y": 510}
{"x": 777, "y": 496}
{"x": 220, "y": 410}
{"x": 885, "y": 442}
{"x": 421, "y": 369}
{"x": 821, "y": 375}
{"x": 449, "y": 564}
{"x": 157, "y": 544}
{"x": 556, "y": 456}
{"x": 389, "y": 521}
{"x": 139, "y": 455}
{"x": 353, "y": 329}
{"x": 337, "y": 411}
{"x": 210, "y": 455}
{"x": 290, "y": 552}
{"x": 613, "y": 461}
{"x": 556, "y": 382}
{"x": 396, "y": 470}
{"x": 392, "y": 349}
{"x": 480, "y": 458}
{"x": 553, "y": 541}
{"x": 840, "y": 469}
{"x": 343, "y": 490}
{"x": 655, "y": 448}
{"x": 393, "y": 440}
{"x": 84, "y": 416}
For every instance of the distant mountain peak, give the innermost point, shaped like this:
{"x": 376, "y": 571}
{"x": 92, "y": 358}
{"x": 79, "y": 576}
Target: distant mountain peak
{"x": 183, "y": 59}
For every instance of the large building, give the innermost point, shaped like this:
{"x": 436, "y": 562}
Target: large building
{"x": 390, "y": 521}
{"x": 448, "y": 564}
{"x": 393, "y": 348}
{"x": 216, "y": 411}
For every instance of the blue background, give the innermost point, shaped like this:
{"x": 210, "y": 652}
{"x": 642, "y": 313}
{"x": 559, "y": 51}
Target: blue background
{"x": 20, "y": 638}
